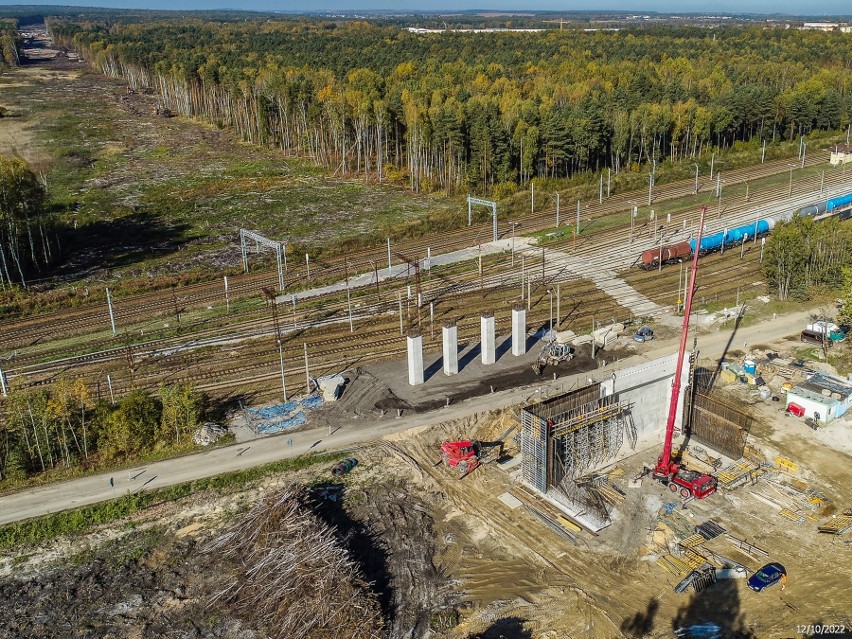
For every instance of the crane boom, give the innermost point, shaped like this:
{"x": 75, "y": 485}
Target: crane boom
{"x": 665, "y": 467}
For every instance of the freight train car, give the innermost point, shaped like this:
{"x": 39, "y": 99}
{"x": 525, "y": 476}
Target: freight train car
{"x": 838, "y": 202}
{"x": 736, "y": 235}
{"x": 840, "y": 207}
{"x": 670, "y": 254}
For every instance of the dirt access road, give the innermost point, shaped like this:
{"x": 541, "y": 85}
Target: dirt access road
{"x": 347, "y": 435}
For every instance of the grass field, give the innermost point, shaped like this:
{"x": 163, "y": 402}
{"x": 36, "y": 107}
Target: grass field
{"x": 143, "y": 195}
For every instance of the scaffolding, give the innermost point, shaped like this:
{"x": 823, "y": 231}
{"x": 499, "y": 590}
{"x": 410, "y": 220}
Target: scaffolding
{"x": 589, "y": 435}
{"x": 564, "y": 436}
{"x": 536, "y": 444}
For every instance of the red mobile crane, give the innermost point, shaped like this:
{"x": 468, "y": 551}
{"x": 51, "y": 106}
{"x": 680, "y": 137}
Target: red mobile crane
{"x": 671, "y": 473}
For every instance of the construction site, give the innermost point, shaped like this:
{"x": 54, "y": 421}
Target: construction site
{"x": 615, "y": 492}
{"x": 489, "y": 441}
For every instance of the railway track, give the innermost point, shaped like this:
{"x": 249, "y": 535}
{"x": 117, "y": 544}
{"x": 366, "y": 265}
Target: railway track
{"x": 204, "y": 359}
{"x": 161, "y": 304}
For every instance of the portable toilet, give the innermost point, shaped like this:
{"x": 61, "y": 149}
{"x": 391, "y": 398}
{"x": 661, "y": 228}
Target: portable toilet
{"x": 750, "y": 367}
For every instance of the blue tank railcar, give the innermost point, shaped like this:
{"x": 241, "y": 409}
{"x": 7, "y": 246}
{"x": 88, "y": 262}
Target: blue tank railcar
{"x": 813, "y": 210}
{"x": 837, "y": 202}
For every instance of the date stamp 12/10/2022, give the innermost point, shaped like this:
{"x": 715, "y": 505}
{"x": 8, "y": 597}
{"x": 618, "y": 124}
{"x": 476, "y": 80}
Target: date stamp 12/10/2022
{"x": 813, "y": 630}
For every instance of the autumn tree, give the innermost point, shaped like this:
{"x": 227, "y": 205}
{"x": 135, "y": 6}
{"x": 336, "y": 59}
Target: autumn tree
{"x": 25, "y": 244}
{"x": 181, "y": 414}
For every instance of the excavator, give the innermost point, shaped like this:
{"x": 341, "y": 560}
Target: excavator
{"x": 671, "y": 473}
{"x": 553, "y": 353}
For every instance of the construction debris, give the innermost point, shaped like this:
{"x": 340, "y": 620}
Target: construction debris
{"x": 293, "y": 575}
{"x": 838, "y": 524}
{"x": 208, "y": 433}
{"x": 709, "y": 529}
{"x": 747, "y": 548}
{"x": 331, "y": 387}
{"x": 739, "y": 473}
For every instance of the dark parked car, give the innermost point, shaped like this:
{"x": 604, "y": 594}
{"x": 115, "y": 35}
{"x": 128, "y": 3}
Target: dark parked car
{"x": 767, "y": 576}
{"x": 644, "y": 334}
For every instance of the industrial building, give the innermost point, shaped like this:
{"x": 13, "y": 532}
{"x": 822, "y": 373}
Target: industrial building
{"x": 822, "y": 398}
{"x": 840, "y": 154}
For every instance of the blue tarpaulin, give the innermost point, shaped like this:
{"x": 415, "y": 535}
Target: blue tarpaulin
{"x": 280, "y": 417}
{"x": 267, "y": 428}
{"x": 311, "y": 401}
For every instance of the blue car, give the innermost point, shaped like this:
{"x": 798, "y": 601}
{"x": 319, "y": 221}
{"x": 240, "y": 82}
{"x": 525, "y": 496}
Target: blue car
{"x": 644, "y": 334}
{"x": 767, "y": 576}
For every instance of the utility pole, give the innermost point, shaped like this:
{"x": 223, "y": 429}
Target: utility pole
{"x": 696, "y": 177}
{"x": 3, "y": 383}
{"x": 550, "y": 292}
{"x": 273, "y": 301}
{"x": 178, "y": 310}
{"x": 400, "y": 313}
{"x": 227, "y": 299}
{"x": 633, "y": 215}
{"x": 712, "y": 160}
{"x": 532, "y": 197}
{"x": 513, "y": 242}
{"x": 790, "y": 186}
{"x": 763, "y": 153}
{"x": 307, "y": 371}
{"x": 376, "y": 277}
{"x": 389, "y": 258}
{"x": 348, "y": 298}
{"x": 558, "y": 314}
{"x": 111, "y": 315}
{"x": 479, "y": 247}
{"x": 608, "y": 181}
{"x": 804, "y": 152}
{"x": 578, "y": 218}
{"x": 308, "y": 266}
{"x": 557, "y": 210}
{"x": 650, "y": 188}
{"x": 281, "y": 359}
{"x": 600, "y": 192}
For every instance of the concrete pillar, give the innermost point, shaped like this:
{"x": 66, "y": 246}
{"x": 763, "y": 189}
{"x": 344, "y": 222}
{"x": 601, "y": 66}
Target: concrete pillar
{"x": 451, "y": 349}
{"x": 487, "y": 340}
{"x": 519, "y": 330}
{"x": 415, "y": 359}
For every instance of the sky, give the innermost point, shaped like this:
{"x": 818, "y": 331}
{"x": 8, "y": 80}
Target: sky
{"x": 792, "y": 7}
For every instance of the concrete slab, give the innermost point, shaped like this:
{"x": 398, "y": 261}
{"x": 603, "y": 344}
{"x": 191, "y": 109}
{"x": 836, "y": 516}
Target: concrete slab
{"x": 510, "y": 500}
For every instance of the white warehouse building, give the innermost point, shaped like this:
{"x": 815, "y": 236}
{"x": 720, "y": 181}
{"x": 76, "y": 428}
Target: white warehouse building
{"x": 822, "y": 398}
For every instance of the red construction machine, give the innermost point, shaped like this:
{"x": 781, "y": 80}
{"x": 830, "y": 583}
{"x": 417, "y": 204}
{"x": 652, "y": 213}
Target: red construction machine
{"x": 462, "y": 455}
{"x": 671, "y": 473}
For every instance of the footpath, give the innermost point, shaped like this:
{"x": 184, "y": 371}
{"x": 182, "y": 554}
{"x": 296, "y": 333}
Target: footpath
{"x": 97, "y": 488}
